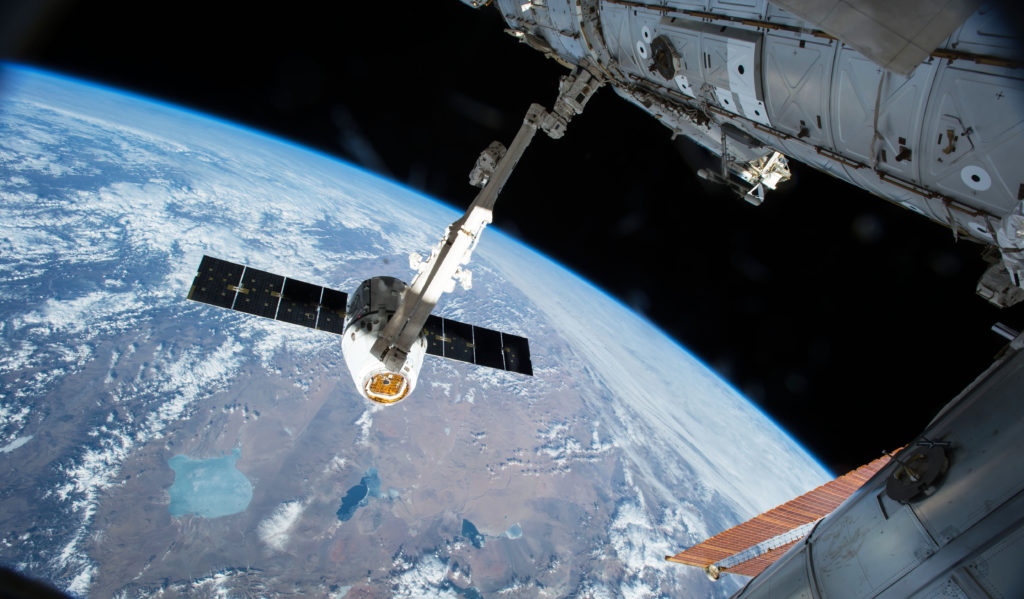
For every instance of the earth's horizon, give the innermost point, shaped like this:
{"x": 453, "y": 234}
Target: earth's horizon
{"x": 152, "y": 446}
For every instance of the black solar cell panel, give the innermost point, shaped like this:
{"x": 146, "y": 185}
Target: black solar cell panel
{"x": 517, "y": 354}
{"x": 229, "y": 285}
{"x": 434, "y": 330}
{"x": 458, "y": 341}
{"x": 299, "y": 303}
{"x": 487, "y": 348}
{"x": 216, "y": 282}
{"x": 332, "y": 311}
{"x": 259, "y": 294}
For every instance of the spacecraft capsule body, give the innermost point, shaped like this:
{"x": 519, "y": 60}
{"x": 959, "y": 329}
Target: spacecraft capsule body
{"x": 370, "y": 307}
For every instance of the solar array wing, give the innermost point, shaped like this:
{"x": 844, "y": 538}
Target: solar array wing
{"x": 484, "y": 347}
{"x": 776, "y": 522}
{"x": 229, "y": 285}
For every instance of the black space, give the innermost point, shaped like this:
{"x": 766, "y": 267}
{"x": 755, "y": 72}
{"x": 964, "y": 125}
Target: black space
{"x": 850, "y": 321}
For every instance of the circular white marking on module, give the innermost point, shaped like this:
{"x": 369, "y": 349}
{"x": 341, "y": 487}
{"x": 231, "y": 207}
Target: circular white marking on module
{"x": 976, "y": 178}
{"x": 641, "y": 48}
{"x": 646, "y": 34}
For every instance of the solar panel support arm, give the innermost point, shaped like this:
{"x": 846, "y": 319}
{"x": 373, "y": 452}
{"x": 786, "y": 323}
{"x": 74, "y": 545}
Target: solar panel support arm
{"x": 438, "y": 273}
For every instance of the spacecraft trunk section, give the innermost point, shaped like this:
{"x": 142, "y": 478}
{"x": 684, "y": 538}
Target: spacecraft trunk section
{"x": 943, "y": 137}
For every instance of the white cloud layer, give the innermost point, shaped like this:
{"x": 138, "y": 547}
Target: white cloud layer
{"x": 274, "y": 531}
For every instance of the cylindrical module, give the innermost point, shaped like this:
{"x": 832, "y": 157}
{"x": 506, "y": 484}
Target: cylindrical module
{"x": 370, "y": 307}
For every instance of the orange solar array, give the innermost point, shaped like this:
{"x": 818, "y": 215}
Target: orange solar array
{"x": 804, "y": 509}
{"x": 756, "y": 565}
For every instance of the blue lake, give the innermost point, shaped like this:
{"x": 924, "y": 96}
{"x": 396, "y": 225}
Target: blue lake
{"x": 356, "y": 496}
{"x": 471, "y": 533}
{"x": 514, "y": 532}
{"x": 210, "y": 488}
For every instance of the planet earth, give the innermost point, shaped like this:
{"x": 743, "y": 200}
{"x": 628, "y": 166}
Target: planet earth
{"x": 151, "y": 446}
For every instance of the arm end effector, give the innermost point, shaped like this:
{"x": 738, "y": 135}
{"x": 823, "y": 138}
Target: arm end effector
{"x": 574, "y": 90}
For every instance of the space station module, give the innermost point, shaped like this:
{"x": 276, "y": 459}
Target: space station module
{"x": 920, "y": 103}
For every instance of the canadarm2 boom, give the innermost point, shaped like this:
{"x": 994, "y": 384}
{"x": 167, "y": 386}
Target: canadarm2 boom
{"x": 438, "y": 274}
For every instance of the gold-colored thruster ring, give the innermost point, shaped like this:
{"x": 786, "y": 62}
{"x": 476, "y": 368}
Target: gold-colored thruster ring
{"x": 387, "y": 387}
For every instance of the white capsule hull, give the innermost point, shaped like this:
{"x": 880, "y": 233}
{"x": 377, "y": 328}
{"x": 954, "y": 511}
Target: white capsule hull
{"x": 369, "y": 309}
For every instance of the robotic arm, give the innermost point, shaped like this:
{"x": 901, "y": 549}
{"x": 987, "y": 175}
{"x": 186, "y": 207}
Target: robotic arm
{"x": 437, "y": 275}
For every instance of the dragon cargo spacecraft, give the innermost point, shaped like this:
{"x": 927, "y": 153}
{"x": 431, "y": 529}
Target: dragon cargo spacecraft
{"x": 386, "y": 326}
{"x": 361, "y": 320}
